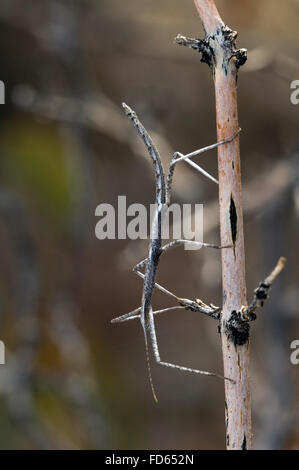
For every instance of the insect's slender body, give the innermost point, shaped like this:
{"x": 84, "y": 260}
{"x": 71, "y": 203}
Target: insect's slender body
{"x": 163, "y": 192}
{"x": 156, "y": 231}
{"x": 150, "y": 278}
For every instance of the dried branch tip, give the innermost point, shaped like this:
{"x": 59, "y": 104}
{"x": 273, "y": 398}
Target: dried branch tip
{"x": 276, "y": 271}
{"x": 223, "y": 39}
{"x": 261, "y": 293}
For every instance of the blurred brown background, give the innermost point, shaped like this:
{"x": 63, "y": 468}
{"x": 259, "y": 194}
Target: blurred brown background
{"x": 72, "y": 380}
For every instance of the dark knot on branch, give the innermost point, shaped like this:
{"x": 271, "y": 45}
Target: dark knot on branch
{"x": 236, "y": 329}
{"x": 221, "y": 44}
{"x": 237, "y": 326}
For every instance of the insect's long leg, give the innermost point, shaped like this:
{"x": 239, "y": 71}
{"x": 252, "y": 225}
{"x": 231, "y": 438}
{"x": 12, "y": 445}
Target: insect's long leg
{"x": 158, "y": 286}
{"x": 127, "y": 316}
{"x": 140, "y": 264}
{"x": 210, "y": 147}
{"x": 169, "y": 364}
{"x": 198, "y": 168}
{"x": 178, "y": 157}
{"x": 179, "y": 242}
{"x": 197, "y": 306}
{"x": 166, "y": 247}
{"x": 136, "y": 313}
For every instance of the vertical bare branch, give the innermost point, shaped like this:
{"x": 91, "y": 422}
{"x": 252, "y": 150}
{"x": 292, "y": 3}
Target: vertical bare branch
{"x": 224, "y": 61}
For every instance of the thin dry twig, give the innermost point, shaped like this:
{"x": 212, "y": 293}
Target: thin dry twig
{"x": 261, "y": 293}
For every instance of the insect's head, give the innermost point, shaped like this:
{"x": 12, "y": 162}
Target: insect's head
{"x": 129, "y": 112}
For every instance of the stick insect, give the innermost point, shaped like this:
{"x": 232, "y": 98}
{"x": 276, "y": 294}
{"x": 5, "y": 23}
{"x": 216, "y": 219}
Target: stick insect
{"x": 163, "y": 196}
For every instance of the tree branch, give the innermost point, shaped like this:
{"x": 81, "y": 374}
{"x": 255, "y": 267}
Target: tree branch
{"x": 225, "y": 61}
